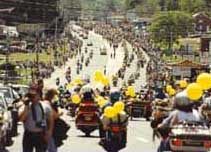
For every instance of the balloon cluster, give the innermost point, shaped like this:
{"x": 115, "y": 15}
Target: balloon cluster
{"x": 99, "y": 77}
{"x": 75, "y": 82}
{"x": 131, "y": 91}
{"x": 195, "y": 90}
{"x": 170, "y": 90}
{"x": 112, "y": 111}
{"x": 101, "y": 101}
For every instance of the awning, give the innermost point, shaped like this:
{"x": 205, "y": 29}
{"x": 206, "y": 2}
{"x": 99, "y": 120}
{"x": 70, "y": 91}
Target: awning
{"x": 188, "y": 63}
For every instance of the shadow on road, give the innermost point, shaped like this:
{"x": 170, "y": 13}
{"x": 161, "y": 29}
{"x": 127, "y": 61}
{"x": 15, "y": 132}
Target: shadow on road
{"x": 91, "y": 136}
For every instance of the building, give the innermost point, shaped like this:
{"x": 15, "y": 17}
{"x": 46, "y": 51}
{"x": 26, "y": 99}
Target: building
{"x": 187, "y": 69}
{"x": 202, "y": 22}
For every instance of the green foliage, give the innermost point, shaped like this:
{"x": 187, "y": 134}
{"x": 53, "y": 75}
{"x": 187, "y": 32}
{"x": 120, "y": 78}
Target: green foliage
{"x": 153, "y": 6}
{"x": 148, "y": 7}
{"x": 167, "y": 27}
{"x": 192, "y": 6}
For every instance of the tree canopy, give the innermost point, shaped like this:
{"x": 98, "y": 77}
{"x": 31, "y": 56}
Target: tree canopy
{"x": 167, "y": 27}
{"x": 153, "y": 6}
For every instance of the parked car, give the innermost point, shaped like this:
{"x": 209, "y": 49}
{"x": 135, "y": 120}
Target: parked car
{"x": 5, "y": 122}
{"x": 20, "y": 89}
{"x": 10, "y": 94}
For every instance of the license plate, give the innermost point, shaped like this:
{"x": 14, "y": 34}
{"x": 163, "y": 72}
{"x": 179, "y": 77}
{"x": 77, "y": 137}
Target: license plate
{"x": 193, "y": 143}
{"x": 88, "y": 118}
{"x": 137, "y": 110}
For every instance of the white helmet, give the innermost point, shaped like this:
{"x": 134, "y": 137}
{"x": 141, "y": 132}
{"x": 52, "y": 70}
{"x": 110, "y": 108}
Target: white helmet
{"x": 181, "y": 99}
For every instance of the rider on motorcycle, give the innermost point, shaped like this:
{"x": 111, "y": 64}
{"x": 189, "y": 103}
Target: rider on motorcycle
{"x": 184, "y": 111}
{"x": 115, "y": 93}
{"x": 86, "y": 92}
{"x": 160, "y": 93}
{"x": 120, "y": 120}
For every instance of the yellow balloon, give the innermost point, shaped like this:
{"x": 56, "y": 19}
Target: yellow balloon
{"x": 78, "y": 81}
{"x": 101, "y": 103}
{"x": 109, "y": 112}
{"x": 99, "y": 99}
{"x": 98, "y": 74}
{"x": 69, "y": 85}
{"x": 119, "y": 106}
{"x": 97, "y": 79}
{"x": 105, "y": 81}
{"x": 194, "y": 91}
{"x": 204, "y": 80}
{"x": 127, "y": 93}
{"x": 168, "y": 88}
{"x": 172, "y": 92}
{"x": 131, "y": 91}
{"x": 76, "y": 99}
{"x": 183, "y": 84}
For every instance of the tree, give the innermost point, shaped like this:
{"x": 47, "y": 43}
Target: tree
{"x": 167, "y": 27}
{"x": 192, "y": 6}
{"x": 148, "y": 7}
{"x": 172, "y": 5}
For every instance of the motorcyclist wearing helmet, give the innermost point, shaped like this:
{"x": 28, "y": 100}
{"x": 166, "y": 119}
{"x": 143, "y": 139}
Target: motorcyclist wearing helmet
{"x": 160, "y": 93}
{"x": 184, "y": 111}
{"x": 120, "y": 119}
{"x": 115, "y": 93}
{"x": 87, "y": 92}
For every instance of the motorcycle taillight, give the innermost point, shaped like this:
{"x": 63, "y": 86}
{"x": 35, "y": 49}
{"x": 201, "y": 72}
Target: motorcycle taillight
{"x": 207, "y": 144}
{"x": 116, "y": 129}
{"x": 177, "y": 142}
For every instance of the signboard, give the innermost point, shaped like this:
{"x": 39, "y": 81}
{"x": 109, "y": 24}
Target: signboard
{"x": 183, "y": 72}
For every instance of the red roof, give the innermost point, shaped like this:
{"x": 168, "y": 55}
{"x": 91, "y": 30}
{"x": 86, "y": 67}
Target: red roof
{"x": 188, "y": 63}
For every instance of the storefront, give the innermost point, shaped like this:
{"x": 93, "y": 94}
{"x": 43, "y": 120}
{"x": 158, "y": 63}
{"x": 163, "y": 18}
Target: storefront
{"x": 187, "y": 69}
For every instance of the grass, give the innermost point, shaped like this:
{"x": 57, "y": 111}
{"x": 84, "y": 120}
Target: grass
{"x": 44, "y": 57}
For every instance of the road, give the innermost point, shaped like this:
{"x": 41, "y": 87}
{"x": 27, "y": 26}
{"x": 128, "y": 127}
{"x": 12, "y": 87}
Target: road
{"x": 139, "y": 131}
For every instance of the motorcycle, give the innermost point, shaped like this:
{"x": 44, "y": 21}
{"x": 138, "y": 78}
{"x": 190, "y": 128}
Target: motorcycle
{"x": 87, "y": 117}
{"x": 187, "y": 136}
{"x": 116, "y": 138}
{"x": 139, "y": 109}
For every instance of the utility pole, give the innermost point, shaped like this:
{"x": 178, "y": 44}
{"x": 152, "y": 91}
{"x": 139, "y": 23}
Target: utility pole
{"x": 37, "y": 56}
{"x": 7, "y": 60}
{"x": 171, "y": 42}
{"x": 55, "y": 34}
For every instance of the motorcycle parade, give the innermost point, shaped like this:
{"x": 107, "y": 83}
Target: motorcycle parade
{"x": 105, "y": 76}
{"x": 178, "y": 113}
